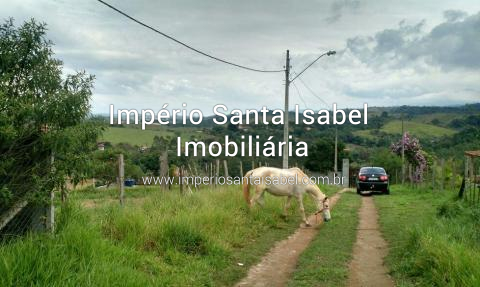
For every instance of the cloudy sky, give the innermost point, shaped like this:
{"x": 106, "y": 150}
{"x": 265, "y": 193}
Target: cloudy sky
{"x": 388, "y": 52}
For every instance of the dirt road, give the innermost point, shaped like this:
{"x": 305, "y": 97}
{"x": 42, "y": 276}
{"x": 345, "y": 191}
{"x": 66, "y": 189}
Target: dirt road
{"x": 367, "y": 268}
{"x": 276, "y": 268}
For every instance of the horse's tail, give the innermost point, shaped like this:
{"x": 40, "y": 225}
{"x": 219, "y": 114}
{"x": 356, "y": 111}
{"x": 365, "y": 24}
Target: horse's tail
{"x": 246, "y": 186}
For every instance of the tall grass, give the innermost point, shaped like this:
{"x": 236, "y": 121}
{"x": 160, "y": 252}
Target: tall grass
{"x": 435, "y": 240}
{"x": 76, "y": 256}
{"x": 160, "y": 239}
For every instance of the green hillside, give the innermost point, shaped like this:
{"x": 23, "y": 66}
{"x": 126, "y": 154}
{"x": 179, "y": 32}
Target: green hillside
{"x": 443, "y": 119}
{"x": 418, "y": 129}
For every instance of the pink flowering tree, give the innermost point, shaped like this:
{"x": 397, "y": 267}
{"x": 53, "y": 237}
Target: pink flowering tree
{"x": 413, "y": 154}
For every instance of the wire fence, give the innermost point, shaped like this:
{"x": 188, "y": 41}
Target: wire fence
{"x": 25, "y": 197}
{"x": 23, "y": 213}
{"x": 441, "y": 174}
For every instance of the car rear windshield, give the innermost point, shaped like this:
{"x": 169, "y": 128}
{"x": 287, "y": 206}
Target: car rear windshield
{"x": 372, "y": 170}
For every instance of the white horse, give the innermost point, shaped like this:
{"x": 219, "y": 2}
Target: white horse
{"x": 282, "y": 182}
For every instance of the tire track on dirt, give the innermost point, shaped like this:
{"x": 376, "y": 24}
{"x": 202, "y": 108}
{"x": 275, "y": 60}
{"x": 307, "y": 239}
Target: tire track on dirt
{"x": 367, "y": 268}
{"x": 277, "y": 266}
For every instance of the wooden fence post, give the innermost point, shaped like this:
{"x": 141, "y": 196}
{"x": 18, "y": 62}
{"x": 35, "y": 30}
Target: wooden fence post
{"x": 192, "y": 176}
{"x": 163, "y": 171}
{"x": 225, "y": 168}
{"x": 211, "y": 173}
{"x": 217, "y": 171}
{"x": 121, "y": 175}
{"x": 180, "y": 179}
{"x": 241, "y": 169}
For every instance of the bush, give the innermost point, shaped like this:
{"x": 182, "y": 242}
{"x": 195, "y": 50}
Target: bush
{"x": 449, "y": 209}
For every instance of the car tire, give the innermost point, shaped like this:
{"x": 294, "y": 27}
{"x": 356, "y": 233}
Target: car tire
{"x": 387, "y": 191}
{"x": 359, "y": 191}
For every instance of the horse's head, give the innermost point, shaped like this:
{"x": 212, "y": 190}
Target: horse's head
{"x": 322, "y": 203}
{"x": 323, "y": 206}
{"x": 321, "y": 200}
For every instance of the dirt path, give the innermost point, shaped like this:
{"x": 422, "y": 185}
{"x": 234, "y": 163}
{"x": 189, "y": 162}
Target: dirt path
{"x": 276, "y": 267}
{"x": 366, "y": 268}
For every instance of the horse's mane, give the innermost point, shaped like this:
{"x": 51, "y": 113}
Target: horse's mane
{"x": 302, "y": 174}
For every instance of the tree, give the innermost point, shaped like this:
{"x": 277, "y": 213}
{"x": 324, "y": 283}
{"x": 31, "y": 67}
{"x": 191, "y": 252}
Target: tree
{"x": 42, "y": 114}
{"x": 322, "y": 155}
{"x": 383, "y": 157}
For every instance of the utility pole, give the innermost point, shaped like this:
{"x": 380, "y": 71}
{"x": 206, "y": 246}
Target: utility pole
{"x": 403, "y": 153}
{"x": 335, "y": 168}
{"x": 285, "y": 125}
{"x": 287, "y": 86}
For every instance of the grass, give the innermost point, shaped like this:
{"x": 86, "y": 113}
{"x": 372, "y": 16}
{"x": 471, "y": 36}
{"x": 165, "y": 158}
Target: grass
{"x": 164, "y": 239}
{"x": 434, "y": 240}
{"x": 325, "y": 261}
{"x": 77, "y": 255}
{"x": 136, "y": 136}
{"x": 140, "y": 191}
{"x": 417, "y": 129}
{"x": 112, "y": 192}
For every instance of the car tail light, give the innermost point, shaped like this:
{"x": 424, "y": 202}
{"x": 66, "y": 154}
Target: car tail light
{"x": 383, "y": 178}
{"x": 362, "y": 177}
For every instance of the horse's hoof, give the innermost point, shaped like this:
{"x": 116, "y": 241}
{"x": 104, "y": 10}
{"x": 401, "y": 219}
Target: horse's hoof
{"x": 308, "y": 224}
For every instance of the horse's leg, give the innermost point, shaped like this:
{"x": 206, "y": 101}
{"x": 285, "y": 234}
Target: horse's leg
{"x": 261, "y": 199}
{"x": 256, "y": 197}
{"x": 287, "y": 205}
{"x": 302, "y": 210}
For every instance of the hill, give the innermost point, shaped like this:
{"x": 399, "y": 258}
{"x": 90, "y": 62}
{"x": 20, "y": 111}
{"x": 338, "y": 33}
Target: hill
{"x": 417, "y": 129}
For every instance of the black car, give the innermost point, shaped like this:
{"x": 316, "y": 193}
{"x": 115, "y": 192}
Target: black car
{"x": 372, "y": 179}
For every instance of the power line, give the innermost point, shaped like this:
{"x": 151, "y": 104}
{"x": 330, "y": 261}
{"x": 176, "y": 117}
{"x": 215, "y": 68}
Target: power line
{"x": 186, "y": 45}
{"x": 310, "y": 90}
{"x": 300, "y": 95}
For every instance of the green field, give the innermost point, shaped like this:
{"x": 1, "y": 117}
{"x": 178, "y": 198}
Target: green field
{"x": 136, "y": 136}
{"x": 433, "y": 239}
{"x": 443, "y": 118}
{"x": 417, "y": 129}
